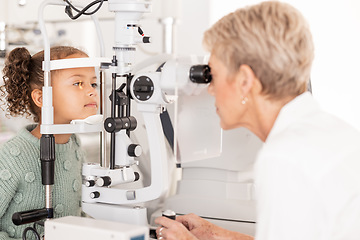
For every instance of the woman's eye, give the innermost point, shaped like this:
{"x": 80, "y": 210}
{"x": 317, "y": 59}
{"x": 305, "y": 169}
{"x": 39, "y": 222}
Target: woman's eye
{"x": 213, "y": 77}
{"x": 94, "y": 85}
{"x": 78, "y": 84}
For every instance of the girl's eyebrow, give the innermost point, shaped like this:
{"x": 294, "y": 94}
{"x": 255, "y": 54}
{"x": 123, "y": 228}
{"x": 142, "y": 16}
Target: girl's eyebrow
{"x": 81, "y": 76}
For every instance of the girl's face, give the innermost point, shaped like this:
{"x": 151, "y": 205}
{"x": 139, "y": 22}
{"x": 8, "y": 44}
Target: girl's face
{"x": 75, "y": 93}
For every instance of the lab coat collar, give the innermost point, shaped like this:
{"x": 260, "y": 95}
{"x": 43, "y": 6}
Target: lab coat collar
{"x": 297, "y": 108}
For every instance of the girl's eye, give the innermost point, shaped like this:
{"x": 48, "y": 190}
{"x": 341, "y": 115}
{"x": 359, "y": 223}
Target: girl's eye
{"x": 94, "y": 85}
{"x": 78, "y": 84}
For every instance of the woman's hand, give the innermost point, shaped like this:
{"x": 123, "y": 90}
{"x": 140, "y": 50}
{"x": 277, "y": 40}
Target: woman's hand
{"x": 191, "y": 226}
{"x": 173, "y": 229}
{"x": 198, "y": 226}
{"x": 188, "y": 227}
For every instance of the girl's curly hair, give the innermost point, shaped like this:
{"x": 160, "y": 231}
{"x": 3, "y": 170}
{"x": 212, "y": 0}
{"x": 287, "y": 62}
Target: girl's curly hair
{"x": 22, "y": 74}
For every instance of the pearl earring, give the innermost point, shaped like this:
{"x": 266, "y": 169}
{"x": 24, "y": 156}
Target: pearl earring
{"x": 244, "y": 100}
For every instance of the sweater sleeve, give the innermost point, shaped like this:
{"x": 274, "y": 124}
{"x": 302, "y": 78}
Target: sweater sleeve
{"x": 5, "y": 236}
{"x": 8, "y": 187}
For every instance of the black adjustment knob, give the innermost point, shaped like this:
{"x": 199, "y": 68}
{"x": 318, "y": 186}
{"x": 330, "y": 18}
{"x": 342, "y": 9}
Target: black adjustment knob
{"x": 133, "y": 123}
{"x": 146, "y": 40}
{"x": 47, "y": 158}
{"x": 134, "y": 150}
{"x": 30, "y": 216}
{"x": 90, "y": 183}
{"x": 137, "y": 176}
{"x": 103, "y": 181}
{"x": 126, "y": 123}
{"x": 143, "y": 88}
{"x": 110, "y": 125}
{"x": 116, "y": 124}
{"x": 169, "y": 214}
{"x": 94, "y": 195}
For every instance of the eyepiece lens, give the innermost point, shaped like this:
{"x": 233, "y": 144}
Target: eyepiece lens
{"x": 200, "y": 74}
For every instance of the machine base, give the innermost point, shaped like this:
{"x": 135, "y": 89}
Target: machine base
{"x": 90, "y": 229}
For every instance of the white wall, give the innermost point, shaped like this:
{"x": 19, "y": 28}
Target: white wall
{"x": 335, "y": 27}
{"x": 3, "y": 8}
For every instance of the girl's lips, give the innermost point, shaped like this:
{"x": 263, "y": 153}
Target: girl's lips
{"x": 93, "y": 105}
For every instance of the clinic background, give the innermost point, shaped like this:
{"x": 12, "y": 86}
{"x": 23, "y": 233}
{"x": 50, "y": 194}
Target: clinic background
{"x": 335, "y": 81}
{"x": 334, "y": 24}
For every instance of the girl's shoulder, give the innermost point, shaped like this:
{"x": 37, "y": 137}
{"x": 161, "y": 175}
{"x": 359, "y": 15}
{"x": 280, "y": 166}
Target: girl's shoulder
{"x": 10, "y": 144}
{"x": 9, "y": 152}
{"x": 21, "y": 145}
{"x": 16, "y": 160}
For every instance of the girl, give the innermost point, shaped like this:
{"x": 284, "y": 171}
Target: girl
{"x": 74, "y": 97}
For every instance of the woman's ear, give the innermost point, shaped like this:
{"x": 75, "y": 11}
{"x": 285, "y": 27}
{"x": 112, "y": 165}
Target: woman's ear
{"x": 246, "y": 79}
{"x": 36, "y": 96}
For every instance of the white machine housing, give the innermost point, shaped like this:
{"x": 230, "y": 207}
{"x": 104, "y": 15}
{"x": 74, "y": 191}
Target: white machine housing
{"x": 74, "y": 228}
{"x": 111, "y": 202}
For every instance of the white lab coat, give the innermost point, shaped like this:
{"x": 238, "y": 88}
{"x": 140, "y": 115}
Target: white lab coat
{"x": 307, "y": 176}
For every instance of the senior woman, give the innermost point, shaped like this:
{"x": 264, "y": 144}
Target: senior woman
{"x": 307, "y": 174}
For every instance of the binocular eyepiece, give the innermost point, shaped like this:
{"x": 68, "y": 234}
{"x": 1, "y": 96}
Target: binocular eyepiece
{"x": 200, "y": 74}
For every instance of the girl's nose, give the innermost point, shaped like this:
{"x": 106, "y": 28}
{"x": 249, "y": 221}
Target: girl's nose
{"x": 92, "y": 91}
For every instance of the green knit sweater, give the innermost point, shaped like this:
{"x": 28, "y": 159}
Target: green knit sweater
{"x": 20, "y": 180}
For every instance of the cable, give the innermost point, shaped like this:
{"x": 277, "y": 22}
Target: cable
{"x": 83, "y": 11}
{"x": 37, "y": 236}
{"x": 33, "y": 229}
{"x": 87, "y": 7}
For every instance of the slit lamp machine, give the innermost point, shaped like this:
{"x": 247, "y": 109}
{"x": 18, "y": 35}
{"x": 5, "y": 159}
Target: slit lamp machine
{"x": 101, "y": 198}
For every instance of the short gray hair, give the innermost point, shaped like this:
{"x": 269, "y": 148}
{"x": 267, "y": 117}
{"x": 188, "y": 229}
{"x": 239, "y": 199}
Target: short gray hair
{"x": 273, "y": 38}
